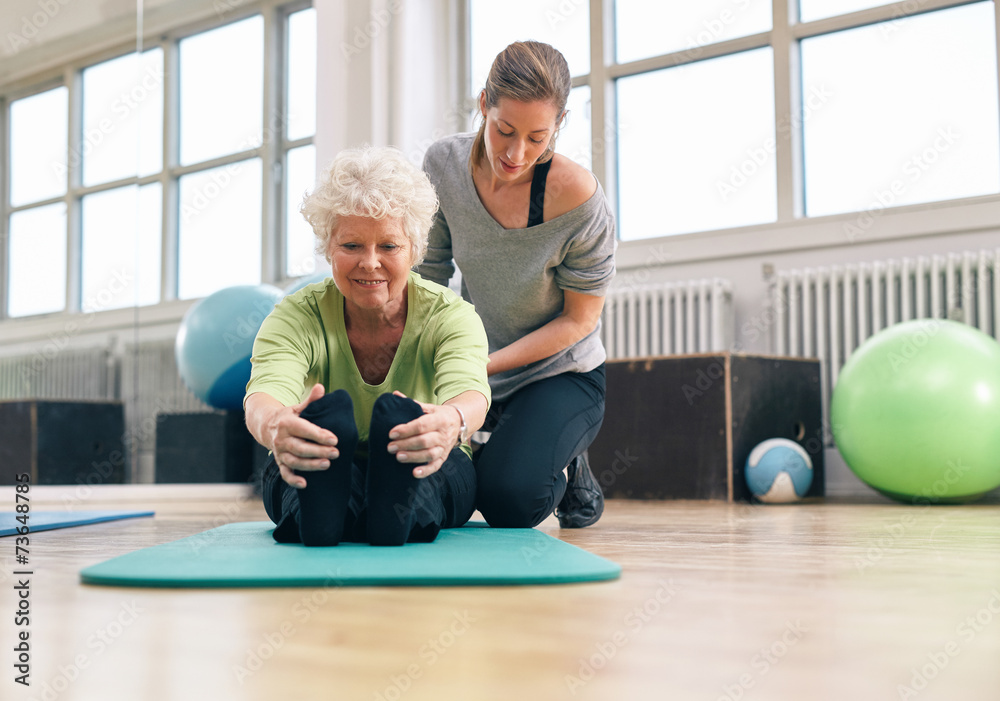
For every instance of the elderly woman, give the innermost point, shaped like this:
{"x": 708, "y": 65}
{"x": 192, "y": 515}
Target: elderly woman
{"x": 365, "y": 386}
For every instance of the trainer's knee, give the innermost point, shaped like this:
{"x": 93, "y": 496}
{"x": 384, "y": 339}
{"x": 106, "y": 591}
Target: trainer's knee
{"x": 512, "y": 507}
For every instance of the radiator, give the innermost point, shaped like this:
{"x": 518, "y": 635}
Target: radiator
{"x": 827, "y": 313}
{"x": 54, "y": 373}
{"x": 668, "y": 319}
{"x": 142, "y": 375}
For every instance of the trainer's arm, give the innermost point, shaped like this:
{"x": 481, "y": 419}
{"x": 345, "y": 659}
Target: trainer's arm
{"x": 579, "y": 317}
{"x": 297, "y": 444}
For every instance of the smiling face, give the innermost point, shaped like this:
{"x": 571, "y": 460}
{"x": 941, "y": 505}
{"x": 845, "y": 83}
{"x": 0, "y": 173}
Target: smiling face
{"x": 516, "y": 135}
{"x": 371, "y": 260}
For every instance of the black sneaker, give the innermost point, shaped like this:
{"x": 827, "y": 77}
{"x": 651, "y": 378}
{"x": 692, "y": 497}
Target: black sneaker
{"x": 583, "y": 502}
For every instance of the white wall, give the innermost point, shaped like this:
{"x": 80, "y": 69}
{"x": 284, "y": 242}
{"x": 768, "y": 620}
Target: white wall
{"x": 37, "y": 36}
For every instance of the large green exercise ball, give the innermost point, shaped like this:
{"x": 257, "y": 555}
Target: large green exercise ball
{"x": 215, "y": 340}
{"x": 916, "y": 412}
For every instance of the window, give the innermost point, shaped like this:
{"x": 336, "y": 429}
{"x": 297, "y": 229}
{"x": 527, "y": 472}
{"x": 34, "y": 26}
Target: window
{"x": 37, "y": 227}
{"x": 120, "y": 140}
{"x": 644, "y": 29}
{"x": 38, "y": 128}
{"x": 110, "y": 207}
{"x": 810, "y": 10}
{"x": 697, "y": 168}
{"x": 220, "y": 229}
{"x": 709, "y": 118}
{"x": 219, "y": 239}
{"x": 300, "y": 241}
{"x": 301, "y": 95}
{"x": 120, "y": 260}
{"x": 573, "y": 140}
{"x": 37, "y": 263}
{"x": 563, "y": 23}
{"x": 222, "y": 78}
{"x": 300, "y": 156}
{"x": 928, "y": 134}
{"x": 122, "y": 118}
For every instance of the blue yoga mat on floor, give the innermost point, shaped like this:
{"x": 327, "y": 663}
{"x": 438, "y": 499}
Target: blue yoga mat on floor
{"x": 49, "y": 520}
{"x": 245, "y": 555}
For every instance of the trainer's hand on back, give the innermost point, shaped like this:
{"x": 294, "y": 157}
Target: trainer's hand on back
{"x": 428, "y": 439}
{"x": 299, "y": 444}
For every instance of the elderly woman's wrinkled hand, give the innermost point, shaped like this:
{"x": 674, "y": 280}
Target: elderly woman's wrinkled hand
{"x": 298, "y": 444}
{"x": 428, "y": 439}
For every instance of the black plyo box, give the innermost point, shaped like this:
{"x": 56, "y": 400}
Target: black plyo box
{"x": 203, "y": 447}
{"x": 682, "y": 427}
{"x": 62, "y": 442}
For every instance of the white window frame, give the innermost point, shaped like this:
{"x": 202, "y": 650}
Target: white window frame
{"x": 272, "y": 152}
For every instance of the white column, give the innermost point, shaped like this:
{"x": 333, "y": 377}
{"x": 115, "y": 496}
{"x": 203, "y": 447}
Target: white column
{"x": 389, "y": 73}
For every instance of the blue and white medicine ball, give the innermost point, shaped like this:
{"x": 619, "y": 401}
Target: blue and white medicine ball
{"x": 215, "y": 340}
{"x": 779, "y": 471}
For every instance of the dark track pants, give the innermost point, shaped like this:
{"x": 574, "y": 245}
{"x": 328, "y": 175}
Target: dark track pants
{"x": 536, "y": 432}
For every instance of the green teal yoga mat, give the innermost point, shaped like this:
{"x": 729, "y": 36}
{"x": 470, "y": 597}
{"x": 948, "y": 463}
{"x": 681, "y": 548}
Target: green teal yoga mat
{"x": 49, "y": 520}
{"x": 245, "y": 555}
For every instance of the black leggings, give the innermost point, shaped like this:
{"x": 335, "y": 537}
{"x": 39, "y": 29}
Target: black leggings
{"x": 536, "y": 432}
{"x": 444, "y": 499}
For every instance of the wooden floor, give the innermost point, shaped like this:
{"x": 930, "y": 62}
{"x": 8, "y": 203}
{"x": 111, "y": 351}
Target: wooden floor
{"x": 813, "y": 601}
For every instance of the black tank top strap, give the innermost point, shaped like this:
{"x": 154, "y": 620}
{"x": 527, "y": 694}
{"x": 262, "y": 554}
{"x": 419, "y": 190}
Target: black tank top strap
{"x": 536, "y": 204}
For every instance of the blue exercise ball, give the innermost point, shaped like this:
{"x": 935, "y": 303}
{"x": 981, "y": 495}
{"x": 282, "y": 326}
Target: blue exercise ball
{"x": 779, "y": 471}
{"x": 215, "y": 341}
{"x": 299, "y": 283}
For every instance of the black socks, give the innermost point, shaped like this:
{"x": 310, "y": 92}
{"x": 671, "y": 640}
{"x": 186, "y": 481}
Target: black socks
{"x": 391, "y": 488}
{"x": 397, "y": 506}
{"x": 323, "y": 501}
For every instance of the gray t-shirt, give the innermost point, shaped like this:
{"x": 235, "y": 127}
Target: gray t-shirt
{"x": 516, "y": 277}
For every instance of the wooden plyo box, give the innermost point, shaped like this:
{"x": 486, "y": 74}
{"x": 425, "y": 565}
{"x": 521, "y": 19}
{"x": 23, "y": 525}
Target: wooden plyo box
{"x": 203, "y": 447}
{"x": 682, "y": 427}
{"x": 62, "y": 442}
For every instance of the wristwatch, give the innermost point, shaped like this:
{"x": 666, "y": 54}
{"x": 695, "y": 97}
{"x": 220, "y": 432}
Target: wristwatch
{"x": 463, "y": 430}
